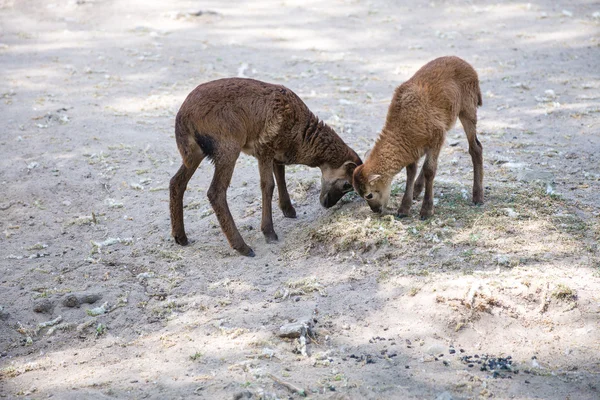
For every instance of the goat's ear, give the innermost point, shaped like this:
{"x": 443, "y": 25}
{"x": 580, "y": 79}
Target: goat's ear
{"x": 373, "y": 178}
{"x": 349, "y": 166}
{"x": 367, "y": 154}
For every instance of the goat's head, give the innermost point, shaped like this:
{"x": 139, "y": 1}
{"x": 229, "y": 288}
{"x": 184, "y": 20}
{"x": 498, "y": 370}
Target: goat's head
{"x": 374, "y": 188}
{"x": 336, "y": 182}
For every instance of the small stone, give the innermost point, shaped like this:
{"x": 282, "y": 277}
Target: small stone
{"x": 511, "y": 213}
{"x": 70, "y": 300}
{"x": 89, "y": 298}
{"x": 246, "y": 394}
{"x": 76, "y": 299}
{"x": 444, "y": 396}
{"x": 435, "y": 349}
{"x": 295, "y": 329}
{"x": 43, "y": 306}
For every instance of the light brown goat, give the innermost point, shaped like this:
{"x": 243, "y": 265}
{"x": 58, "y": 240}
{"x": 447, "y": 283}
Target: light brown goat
{"x": 423, "y": 109}
{"x": 222, "y": 118}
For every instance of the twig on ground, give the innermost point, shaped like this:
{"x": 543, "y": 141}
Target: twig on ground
{"x": 545, "y": 300}
{"x": 288, "y": 386}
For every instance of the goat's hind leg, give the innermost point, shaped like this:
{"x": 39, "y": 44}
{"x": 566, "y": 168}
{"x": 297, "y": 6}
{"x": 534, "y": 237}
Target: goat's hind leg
{"x": 284, "y": 197}
{"x": 217, "y": 195}
{"x": 469, "y": 123}
{"x": 177, "y": 188}
{"x": 407, "y": 199}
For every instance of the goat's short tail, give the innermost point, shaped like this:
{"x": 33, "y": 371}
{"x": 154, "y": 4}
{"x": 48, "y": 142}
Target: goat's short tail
{"x": 193, "y": 145}
{"x": 185, "y": 146}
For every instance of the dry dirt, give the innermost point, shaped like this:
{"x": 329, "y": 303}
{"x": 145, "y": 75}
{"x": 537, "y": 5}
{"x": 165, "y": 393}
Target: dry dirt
{"x": 89, "y": 94}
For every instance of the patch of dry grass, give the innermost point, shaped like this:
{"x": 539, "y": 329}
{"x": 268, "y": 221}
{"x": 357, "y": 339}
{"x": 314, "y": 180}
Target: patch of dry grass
{"x": 519, "y": 224}
{"x": 564, "y": 293}
{"x": 301, "y": 287}
{"x": 343, "y": 232}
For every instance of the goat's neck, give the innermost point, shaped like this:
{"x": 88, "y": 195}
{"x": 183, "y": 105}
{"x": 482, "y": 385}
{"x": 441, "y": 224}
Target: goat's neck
{"x": 390, "y": 154}
{"x": 321, "y": 146}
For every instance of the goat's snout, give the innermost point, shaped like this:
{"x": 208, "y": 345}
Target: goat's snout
{"x": 376, "y": 209}
{"x": 326, "y": 202}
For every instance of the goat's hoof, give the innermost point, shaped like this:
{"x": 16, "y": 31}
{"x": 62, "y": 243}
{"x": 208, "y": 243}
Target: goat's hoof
{"x": 425, "y": 215}
{"x": 271, "y": 237}
{"x": 478, "y": 202}
{"x": 246, "y": 251}
{"x": 181, "y": 240}
{"x": 289, "y": 212}
{"x": 401, "y": 215}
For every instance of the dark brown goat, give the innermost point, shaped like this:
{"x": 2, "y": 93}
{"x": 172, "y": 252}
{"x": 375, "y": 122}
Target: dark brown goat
{"x": 423, "y": 109}
{"x": 222, "y": 118}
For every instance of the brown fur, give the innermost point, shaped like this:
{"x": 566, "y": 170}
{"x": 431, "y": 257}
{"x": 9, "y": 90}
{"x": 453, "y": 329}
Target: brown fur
{"x": 423, "y": 109}
{"x": 222, "y": 118}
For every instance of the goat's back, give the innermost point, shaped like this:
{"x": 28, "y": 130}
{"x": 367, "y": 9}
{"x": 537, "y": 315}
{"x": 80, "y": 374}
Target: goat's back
{"x": 436, "y": 94}
{"x": 236, "y": 107}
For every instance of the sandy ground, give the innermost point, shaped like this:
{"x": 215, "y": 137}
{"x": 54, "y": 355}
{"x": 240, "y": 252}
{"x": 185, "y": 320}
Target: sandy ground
{"x": 89, "y": 93}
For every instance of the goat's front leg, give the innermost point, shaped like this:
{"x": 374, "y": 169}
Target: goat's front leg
{"x": 284, "y": 197}
{"x": 419, "y": 184}
{"x": 267, "y": 185}
{"x": 429, "y": 170}
{"x": 407, "y": 199}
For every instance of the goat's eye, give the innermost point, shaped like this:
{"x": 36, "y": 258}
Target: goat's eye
{"x": 369, "y": 196}
{"x": 347, "y": 186}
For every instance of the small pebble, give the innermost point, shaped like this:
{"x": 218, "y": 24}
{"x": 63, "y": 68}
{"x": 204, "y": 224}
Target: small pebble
{"x": 70, "y": 301}
{"x": 43, "y": 306}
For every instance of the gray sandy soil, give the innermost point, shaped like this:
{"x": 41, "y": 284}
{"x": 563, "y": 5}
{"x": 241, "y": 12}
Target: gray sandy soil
{"x": 89, "y": 92}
